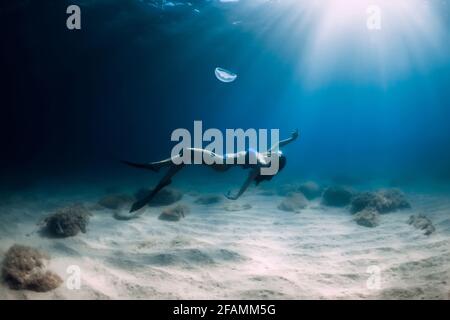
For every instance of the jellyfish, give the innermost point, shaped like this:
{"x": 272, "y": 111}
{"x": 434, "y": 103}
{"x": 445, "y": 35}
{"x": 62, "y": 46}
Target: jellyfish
{"x": 225, "y": 75}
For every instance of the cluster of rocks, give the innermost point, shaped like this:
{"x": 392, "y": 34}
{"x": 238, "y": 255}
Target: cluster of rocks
{"x": 366, "y": 207}
{"x": 25, "y": 268}
{"x": 298, "y": 196}
{"x": 67, "y": 221}
{"x": 384, "y": 201}
{"x": 309, "y": 189}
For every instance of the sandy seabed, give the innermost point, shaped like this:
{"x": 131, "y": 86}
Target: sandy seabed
{"x": 258, "y": 253}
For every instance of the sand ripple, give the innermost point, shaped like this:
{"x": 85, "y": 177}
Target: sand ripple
{"x": 256, "y": 253}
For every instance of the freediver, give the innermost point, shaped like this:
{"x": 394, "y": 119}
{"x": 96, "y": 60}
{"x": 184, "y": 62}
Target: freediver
{"x": 220, "y": 164}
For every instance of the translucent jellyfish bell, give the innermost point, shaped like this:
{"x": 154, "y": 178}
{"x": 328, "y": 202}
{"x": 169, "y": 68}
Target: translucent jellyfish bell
{"x": 225, "y": 75}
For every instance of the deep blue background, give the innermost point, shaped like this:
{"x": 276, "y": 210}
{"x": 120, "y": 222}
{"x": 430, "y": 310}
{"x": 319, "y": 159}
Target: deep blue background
{"x": 77, "y": 101}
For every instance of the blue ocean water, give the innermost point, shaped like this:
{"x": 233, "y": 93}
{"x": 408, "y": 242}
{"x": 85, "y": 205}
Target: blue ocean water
{"x": 369, "y": 104}
{"x": 365, "y": 82}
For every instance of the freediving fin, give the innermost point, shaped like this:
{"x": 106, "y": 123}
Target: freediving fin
{"x": 142, "y": 202}
{"x": 149, "y": 166}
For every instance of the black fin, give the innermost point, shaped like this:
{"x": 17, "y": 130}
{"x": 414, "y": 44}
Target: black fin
{"x": 140, "y": 204}
{"x": 149, "y": 166}
{"x": 145, "y": 200}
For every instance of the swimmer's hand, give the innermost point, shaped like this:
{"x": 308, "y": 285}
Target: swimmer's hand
{"x": 230, "y": 197}
{"x": 294, "y": 134}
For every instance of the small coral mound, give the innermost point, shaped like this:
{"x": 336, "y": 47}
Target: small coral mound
{"x": 393, "y": 199}
{"x": 336, "y": 196}
{"x": 25, "y": 268}
{"x": 165, "y": 197}
{"x": 368, "y": 217}
{"x": 174, "y": 213}
{"x": 421, "y": 222}
{"x": 383, "y": 201}
{"x": 208, "y": 199}
{"x": 293, "y": 202}
{"x": 363, "y": 200}
{"x": 310, "y": 190}
{"x": 67, "y": 222}
{"x": 115, "y": 201}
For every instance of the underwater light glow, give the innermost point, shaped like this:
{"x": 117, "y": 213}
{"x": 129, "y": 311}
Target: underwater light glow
{"x": 376, "y": 40}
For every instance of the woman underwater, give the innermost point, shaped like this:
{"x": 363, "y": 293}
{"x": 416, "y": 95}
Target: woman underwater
{"x": 220, "y": 163}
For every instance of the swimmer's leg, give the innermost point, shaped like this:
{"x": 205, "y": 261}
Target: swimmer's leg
{"x": 156, "y": 166}
{"x": 165, "y": 181}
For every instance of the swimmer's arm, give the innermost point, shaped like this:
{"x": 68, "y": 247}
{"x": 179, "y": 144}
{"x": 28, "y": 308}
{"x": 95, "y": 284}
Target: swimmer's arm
{"x": 252, "y": 175}
{"x": 282, "y": 143}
